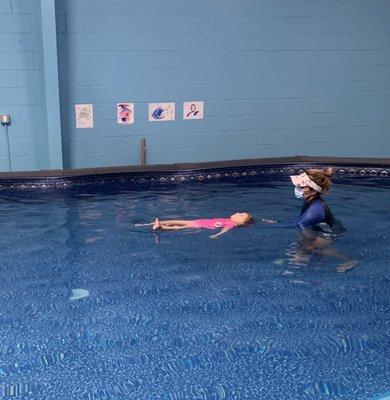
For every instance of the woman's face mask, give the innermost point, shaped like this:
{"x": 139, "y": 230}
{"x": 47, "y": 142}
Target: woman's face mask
{"x": 299, "y": 193}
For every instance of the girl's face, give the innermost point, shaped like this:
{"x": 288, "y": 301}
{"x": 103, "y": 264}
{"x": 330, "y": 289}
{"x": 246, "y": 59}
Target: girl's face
{"x": 240, "y": 218}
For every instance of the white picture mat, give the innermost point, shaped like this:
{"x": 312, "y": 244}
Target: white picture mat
{"x": 193, "y": 110}
{"x": 84, "y": 115}
{"x": 125, "y": 113}
{"x": 161, "y": 111}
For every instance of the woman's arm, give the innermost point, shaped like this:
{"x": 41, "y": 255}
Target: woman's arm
{"x": 314, "y": 215}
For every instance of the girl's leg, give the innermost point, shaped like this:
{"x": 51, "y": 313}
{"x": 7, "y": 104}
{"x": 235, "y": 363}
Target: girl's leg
{"x": 173, "y": 224}
{"x": 177, "y": 222}
{"x": 173, "y": 227}
{"x": 169, "y": 222}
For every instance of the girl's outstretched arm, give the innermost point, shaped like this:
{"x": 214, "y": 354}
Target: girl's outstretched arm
{"x": 222, "y": 232}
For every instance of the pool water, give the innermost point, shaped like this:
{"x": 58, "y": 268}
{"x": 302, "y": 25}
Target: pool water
{"x": 92, "y": 307}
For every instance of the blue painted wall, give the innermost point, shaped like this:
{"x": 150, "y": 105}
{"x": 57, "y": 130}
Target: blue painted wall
{"x": 278, "y": 78}
{"x": 21, "y": 85}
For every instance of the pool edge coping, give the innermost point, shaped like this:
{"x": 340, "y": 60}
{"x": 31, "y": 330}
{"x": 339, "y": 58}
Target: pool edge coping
{"x": 161, "y": 168}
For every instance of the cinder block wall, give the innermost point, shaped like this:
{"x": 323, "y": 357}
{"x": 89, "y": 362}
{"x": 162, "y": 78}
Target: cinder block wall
{"x": 22, "y": 92}
{"x": 278, "y": 78}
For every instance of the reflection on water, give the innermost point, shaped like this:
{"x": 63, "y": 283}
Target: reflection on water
{"x": 93, "y": 307}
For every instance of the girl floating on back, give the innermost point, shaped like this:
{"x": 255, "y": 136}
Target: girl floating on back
{"x": 237, "y": 219}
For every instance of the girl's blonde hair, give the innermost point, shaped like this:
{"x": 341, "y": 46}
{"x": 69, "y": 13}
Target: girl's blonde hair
{"x": 249, "y": 219}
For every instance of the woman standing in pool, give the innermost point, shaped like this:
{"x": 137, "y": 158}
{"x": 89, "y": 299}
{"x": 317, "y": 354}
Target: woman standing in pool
{"x": 309, "y": 186}
{"x": 319, "y": 226}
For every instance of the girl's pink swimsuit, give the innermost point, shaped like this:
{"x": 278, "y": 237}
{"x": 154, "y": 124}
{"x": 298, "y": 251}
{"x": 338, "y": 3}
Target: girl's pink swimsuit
{"x": 213, "y": 223}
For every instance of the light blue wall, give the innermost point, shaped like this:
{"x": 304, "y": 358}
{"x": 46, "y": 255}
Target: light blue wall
{"x": 278, "y": 78}
{"x": 21, "y": 85}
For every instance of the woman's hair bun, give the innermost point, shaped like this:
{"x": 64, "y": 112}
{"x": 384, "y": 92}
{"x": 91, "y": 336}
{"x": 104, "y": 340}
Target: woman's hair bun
{"x": 329, "y": 172}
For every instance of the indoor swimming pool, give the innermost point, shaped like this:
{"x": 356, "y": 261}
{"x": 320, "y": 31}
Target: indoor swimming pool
{"x": 94, "y": 307}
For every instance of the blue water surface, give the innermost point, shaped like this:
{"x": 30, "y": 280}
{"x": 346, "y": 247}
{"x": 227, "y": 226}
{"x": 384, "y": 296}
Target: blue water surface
{"x": 92, "y": 307}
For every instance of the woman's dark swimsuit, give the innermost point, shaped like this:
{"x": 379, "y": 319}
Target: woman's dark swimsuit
{"x": 316, "y": 215}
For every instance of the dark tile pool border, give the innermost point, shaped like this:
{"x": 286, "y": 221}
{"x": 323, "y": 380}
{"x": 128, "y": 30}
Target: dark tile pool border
{"x": 132, "y": 176}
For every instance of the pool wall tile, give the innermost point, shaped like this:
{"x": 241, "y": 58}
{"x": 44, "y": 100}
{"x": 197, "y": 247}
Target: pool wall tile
{"x": 117, "y": 181}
